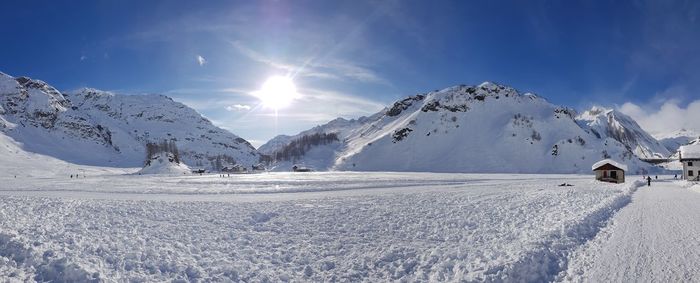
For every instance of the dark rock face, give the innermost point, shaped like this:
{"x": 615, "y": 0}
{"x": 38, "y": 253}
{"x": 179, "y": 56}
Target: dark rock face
{"x": 402, "y": 105}
{"x": 401, "y": 134}
{"x": 562, "y": 112}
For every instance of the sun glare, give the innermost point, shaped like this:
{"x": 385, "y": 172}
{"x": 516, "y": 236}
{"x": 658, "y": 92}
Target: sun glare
{"x": 277, "y": 92}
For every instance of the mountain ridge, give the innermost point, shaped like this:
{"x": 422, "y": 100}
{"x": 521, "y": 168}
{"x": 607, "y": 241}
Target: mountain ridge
{"x": 471, "y": 121}
{"x": 94, "y": 127}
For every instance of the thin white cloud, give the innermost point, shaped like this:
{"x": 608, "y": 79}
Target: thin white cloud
{"x": 259, "y": 57}
{"x": 238, "y": 107}
{"x": 317, "y": 106}
{"x": 83, "y": 57}
{"x": 352, "y": 71}
{"x": 333, "y": 69}
{"x": 200, "y": 60}
{"x": 665, "y": 119}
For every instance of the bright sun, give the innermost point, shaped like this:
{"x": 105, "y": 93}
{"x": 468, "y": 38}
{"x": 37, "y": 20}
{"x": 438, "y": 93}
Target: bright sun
{"x": 277, "y": 92}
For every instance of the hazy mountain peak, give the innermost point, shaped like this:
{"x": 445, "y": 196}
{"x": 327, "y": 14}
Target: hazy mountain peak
{"x": 614, "y": 124}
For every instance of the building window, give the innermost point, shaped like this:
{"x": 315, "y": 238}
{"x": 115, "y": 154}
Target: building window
{"x": 690, "y": 163}
{"x": 690, "y": 172}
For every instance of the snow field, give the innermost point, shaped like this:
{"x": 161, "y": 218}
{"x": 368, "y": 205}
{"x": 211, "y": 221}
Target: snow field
{"x": 653, "y": 239}
{"x": 275, "y": 182}
{"x": 450, "y": 227}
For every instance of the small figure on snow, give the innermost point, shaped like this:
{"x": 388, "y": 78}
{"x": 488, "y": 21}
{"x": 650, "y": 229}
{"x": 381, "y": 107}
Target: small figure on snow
{"x": 71, "y": 176}
{"x": 648, "y": 181}
{"x": 675, "y": 176}
{"x": 656, "y": 177}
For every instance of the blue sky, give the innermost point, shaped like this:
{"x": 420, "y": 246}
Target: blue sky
{"x": 351, "y": 58}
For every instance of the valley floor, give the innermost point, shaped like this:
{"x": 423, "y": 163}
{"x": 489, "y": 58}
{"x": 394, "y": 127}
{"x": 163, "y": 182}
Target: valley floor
{"x": 656, "y": 238}
{"x": 345, "y": 227}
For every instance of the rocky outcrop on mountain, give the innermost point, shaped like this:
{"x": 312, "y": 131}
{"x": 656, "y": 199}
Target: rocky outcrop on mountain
{"x": 620, "y": 127}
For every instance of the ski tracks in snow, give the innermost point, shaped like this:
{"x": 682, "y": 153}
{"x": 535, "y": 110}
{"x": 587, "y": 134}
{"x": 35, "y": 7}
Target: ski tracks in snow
{"x": 654, "y": 239}
{"x": 500, "y": 230}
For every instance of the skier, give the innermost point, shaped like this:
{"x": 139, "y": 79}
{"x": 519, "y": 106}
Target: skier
{"x": 675, "y": 177}
{"x": 656, "y": 177}
{"x": 649, "y": 181}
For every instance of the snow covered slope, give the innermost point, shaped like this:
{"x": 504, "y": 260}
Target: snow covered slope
{"x": 614, "y": 124}
{"x": 17, "y": 163}
{"x": 484, "y": 128}
{"x": 674, "y": 141}
{"x": 313, "y": 148}
{"x": 93, "y": 127}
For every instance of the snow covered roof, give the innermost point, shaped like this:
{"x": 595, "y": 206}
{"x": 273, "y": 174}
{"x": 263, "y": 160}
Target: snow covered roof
{"x": 691, "y": 151}
{"x": 611, "y": 162}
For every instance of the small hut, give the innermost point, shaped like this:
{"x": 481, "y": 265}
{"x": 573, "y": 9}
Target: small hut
{"x": 609, "y": 170}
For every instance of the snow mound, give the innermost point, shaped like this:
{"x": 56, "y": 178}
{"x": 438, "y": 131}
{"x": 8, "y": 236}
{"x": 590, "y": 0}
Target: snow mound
{"x": 611, "y": 162}
{"x": 164, "y": 163}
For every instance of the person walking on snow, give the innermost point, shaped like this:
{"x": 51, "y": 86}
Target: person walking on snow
{"x": 649, "y": 181}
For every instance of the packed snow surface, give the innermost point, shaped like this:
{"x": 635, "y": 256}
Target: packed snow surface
{"x": 299, "y": 226}
{"x": 653, "y": 239}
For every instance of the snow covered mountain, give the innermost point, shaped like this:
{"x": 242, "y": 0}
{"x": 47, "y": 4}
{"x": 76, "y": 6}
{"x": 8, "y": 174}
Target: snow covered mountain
{"x": 674, "y": 141}
{"x": 613, "y": 124}
{"x": 93, "y": 127}
{"x": 484, "y": 128}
